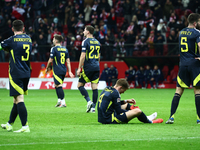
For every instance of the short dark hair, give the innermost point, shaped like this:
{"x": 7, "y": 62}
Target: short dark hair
{"x": 123, "y": 83}
{"x": 193, "y": 17}
{"x": 90, "y": 29}
{"x": 59, "y": 38}
{"x": 18, "y": 25}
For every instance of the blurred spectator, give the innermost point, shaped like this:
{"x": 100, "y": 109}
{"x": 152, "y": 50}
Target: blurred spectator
{"x": 34, "y": 52}
{"x": 7, "y": 9}
{"x": 37, "y": 6}
{"x": 104, "y": 16}
{"x": 143, "y": 46}
{"x": 55, "y": 32}
{"x": 103, "y": 5}
{"x": 158, "y": 41}
{"x": 49, "y": 73}
{"x": 147, "y": 76}
{"x": 127, "y": 10}
{"x": 150, "y": 42}
{"x": 130, "y": 39}
{"x": 140, "y": 13}
{"x": 130, "y": 74}
{"x": 172, "y": 41}
{"x": 77, "y": 46}
{"x": 42, "y": 71}
{"x": 162, "y": 28}
{"x": 31, "y": 33}
{"x": 137, "y": 44}
{"x": 71, "y": 25}
{"x": 139, "y": 77}
{"x": 79, "y": 25}
{"x": 42, "y": 47}
{"x": 156, "y": 75}
{"x": 72, "y": 49}
{"x": 168, "y": 7}
{"x": 112, "y": 23}
{"x": 125, "y": 25}
{"x": 2, "y": 53}
{"x": 8, "y": 29}
{"x": 95, "y": 5}
{"x": 110, "y": 40}
{"x": 143, "y": 31}
{"x": 2, "y": 23}
{"x": 77, "y": 10}
{"x": 87, "y": 12}
{"x": 68, "y": 11}
{"x": 104, "y": 74}
{"x": 28, "y": 15}
{"x": 61, "y": 12}
{"x": 113, "y": 75}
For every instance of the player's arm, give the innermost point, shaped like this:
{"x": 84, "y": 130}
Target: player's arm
{"x": 49, "y": 63}
{"x": 81, "y": 61}
{"x": 5, "y": 49}
{"x": 69, "y": 67}
{"x": 199, "y": 51}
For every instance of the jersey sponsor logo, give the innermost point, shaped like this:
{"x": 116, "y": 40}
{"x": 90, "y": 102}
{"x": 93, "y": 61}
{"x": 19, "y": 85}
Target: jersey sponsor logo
{"x": 119, "y": 99}
{"x": 50, "y": 85}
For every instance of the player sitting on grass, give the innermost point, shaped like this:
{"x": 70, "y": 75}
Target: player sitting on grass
{"x": 111, "y": 110}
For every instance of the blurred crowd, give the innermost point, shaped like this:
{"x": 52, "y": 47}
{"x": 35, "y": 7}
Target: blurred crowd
{"x": 123, "y": 27}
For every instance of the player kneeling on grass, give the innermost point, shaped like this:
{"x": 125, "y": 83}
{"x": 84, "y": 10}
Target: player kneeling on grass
{"x": 111, "y": 110}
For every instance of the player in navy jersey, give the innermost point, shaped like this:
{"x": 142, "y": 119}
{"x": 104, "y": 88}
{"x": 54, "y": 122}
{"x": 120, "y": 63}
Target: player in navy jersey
{"x": 111, "y": 110}
{"x": 58, "y": 56}
{"x": 89, "y": 62}
{"x": 19, "y": 46}
{"x": 189, "y": 66}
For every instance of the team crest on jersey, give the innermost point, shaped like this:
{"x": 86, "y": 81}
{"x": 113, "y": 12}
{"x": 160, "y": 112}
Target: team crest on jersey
{"x": 118, "y": 100}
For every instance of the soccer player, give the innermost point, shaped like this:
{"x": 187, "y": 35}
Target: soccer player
{"x": 189, "y": 67}
{"x": 111, "y": 110}
{"x": 58, "y": 56}
{"x": 89, "y": 59}
{"x": 19, "y": 46}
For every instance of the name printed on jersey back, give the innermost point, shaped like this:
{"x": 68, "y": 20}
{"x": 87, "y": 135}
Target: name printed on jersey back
{"x": 186, "y": 32}
{"x": 94, "y": 42}
{"x": 22, "y": 40}
{"x": 61, "y": 49}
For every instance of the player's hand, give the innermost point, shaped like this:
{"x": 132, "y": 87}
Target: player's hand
{"x": 71, "y": 74}
{"x": 197, "y": 58}
{"x": 131, "y": 101}
{"x": 78, "y": 72}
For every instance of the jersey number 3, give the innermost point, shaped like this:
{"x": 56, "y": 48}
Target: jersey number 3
{"x": 27, "y": 48}
{"x": 184, "y": 43}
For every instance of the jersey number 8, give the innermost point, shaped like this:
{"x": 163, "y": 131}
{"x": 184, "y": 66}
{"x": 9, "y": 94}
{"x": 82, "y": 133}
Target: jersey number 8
{"x": 62, "y": 59}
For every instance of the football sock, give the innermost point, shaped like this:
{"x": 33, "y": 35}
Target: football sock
{"x": 151, "y": 83}
{"x": 60, "y": 92}
{"x": 174, "y": 104}
{"x": 197, "y": 103}
{"x": 84, "y": 93}
{"x": 59, "y": 100}
{"x": 63, "y": 101}
{"x": 128, "y": 106}
{"x": 21, "y": 108}
{"x": 94, "y": 97}
{"x": 13, "y": 114}
{"x": 143, "y": 118}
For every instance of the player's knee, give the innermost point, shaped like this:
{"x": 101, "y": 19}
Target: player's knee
{"x": 137, "y": 111}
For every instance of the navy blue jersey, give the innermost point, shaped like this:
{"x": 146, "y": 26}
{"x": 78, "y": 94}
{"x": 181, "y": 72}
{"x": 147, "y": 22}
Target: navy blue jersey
{"x": 104, "y": 74}
{"x": 20, "y": 47}
{"x": 109, "y": 102}
{"x": 140, "y": 73}
{"x": 156, "y": 73}
{"x": 188, "y": 48}
{"x": 148, "y": 74}
{"x": 113, "y": 72}
{"x": 91, "y": 47}
{"x": 59, "y": 54}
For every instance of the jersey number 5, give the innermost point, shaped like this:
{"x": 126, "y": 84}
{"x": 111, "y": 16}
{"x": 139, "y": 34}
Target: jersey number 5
{"x": 184, "y": 43}
{"x": 92, "y": 48}
{"x": 27, "y": 48}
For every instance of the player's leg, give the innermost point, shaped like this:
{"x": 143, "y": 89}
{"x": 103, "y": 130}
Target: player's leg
{"x": 58, "y": 80}
{"x": 197, "y": 102}
{"x": 61, "y": 96}
{"x": 94, "y": 95}
{"x": 183, "y": 81}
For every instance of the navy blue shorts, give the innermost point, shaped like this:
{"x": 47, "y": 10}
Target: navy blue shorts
{"x": 18, "y": 86}
{"x": 58, "y": 79}
{"x": 116, "y": 119}
{"x": 92, "y": 76}
{"x": 188, "y": 75}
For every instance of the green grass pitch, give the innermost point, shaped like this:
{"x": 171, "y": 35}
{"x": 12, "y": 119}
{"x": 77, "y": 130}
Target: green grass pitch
{"x": 72, "y": 128}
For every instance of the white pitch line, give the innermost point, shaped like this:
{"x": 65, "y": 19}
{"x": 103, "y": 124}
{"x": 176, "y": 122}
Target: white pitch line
{"x": 95, "y": 141}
